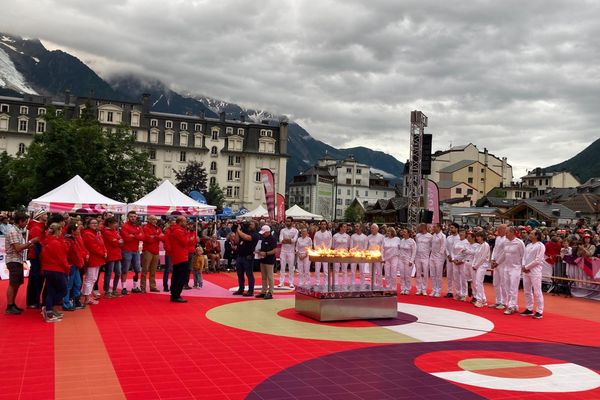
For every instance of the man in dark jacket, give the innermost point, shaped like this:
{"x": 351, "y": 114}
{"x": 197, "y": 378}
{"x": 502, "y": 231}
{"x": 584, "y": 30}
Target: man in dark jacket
{"x": 266, "y": 255}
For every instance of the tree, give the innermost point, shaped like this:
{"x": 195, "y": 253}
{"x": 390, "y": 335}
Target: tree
{"x": 192, "y": 177}
{"x": 105, "y": 158}
{"x": 353, "y": 214}
{"x": 215, "y": 196}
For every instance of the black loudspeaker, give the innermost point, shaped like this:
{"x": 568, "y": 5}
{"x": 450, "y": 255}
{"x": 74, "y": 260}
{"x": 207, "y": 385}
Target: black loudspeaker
{"x": 402, "y": 215}
{"x": 426, "y": 216}
{"x": 426, "y": 154}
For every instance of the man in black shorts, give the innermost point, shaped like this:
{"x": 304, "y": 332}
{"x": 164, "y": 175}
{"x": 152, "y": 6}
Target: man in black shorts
{"x": 15, "y": 257}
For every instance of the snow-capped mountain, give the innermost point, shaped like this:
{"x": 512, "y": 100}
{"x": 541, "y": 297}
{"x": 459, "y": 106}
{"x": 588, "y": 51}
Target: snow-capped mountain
{"x": 26, "y": 66}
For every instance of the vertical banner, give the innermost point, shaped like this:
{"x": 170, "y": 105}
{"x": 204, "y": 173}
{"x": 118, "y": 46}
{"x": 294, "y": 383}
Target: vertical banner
{"x": 266, "y": 176}
{"x": 280, "y": 207}
{"x": 433, "y": 200}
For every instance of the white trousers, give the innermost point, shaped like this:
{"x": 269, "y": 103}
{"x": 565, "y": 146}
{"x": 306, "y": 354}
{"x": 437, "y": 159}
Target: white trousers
{"x": 390, "y": 268}
{"x": 378, "y": 272}
{"x": 405, "y": 270}
{"x": 304, "y": 271}
{"x": 422, "y": 271}
{"x": 337, "y": 267}
{"x": 318, "y": 277}
{"x": 449, "y": 275}
{"x": 460, "y": 279}
{"x": 362, "y": 270}
{"x": 91, "y": 274}
{"x": 286, "y": 260}
{"x": 532, "y": 286}
{"x": 436, "y": 270}
{"x": 498, "y": 281}
{"x": 512, "y": 277}
{"x": 478, "y": 291}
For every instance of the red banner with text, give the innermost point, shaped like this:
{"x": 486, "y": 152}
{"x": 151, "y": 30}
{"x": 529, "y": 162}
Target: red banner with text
{"x": 268, "y": 180}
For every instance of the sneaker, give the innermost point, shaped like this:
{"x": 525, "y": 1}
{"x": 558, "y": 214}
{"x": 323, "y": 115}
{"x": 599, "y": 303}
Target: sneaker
{"x": 68, "y": 308}
{"x": 449, "y": 295}
{"x": 50, "y": 317}
{"x": 526, "y": 313}
{"x": 96, "y": 293}
{"x": 238, "y": 293}
{"x": 424, "y": 294}
{"x": 500, "y": 307}
{"x": 93, "y": 301}
{"x": 260, "y": 295}
{"x": 493, "y": 305}
{"x": 478, "y": 304}
{"x": 538, "y": 315}
{"x": 268, "y": 296}
{"x": 187, "y": 287}
{"x": 57, "y": 314}
{"x": 108, "y": 295}
{"x": 12, "y": 310}
{"x": 279, "y": 285}
{"x": 195, "y": 286}
{"x": 116, "y": 293}
{"x": 248, "y": 294}
{"x": 510, "y": 311}
{"x": 292, "y": 286}
{"x": 155, "y": 290}
{"x": 124, "y": 292}
{"x": 18, "y": 308}
{"x": 78, "y": 305}
{"x": 437, "y": 295}
{"x": 136, "y": 290}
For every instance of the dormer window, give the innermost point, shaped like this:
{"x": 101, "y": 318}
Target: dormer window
{"x": 229, "y": 130}
{"x": 266, "y": 133}
{"x": 41, "y": 111}
{"x": 169, "y": 124}
{"x": 215, "y": 134}
{"x": 240, "y": 131}
{"x": 183, "y": 126}
{"x": 154, "y": 123}
{"x": 198, "y": 127}
{"x": 23, "y": 110}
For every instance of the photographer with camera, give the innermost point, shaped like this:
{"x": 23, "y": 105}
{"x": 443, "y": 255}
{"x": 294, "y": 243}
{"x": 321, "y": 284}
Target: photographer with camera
{"x": 247, "y": 238}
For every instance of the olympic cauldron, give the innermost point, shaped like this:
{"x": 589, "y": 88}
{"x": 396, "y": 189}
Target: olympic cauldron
{"x": 336, "y": 302}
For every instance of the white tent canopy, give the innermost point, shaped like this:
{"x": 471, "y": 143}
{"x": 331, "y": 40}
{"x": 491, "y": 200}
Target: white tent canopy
{"x": 258, "y": 212}
{"x": 76, "y": 195}
{"x": 168, "y": 200}
{"x": 297, "y": 212}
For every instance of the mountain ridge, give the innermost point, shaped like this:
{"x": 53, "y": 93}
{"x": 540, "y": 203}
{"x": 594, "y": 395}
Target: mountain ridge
{"x": 584, "y": 165}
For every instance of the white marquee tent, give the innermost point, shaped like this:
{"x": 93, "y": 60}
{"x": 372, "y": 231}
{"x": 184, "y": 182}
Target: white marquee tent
{"x": 166, "y": 199}
{"x": 258, "y": 212}
{"x": 76, "y": 196}
{"x": 297, "y": 212}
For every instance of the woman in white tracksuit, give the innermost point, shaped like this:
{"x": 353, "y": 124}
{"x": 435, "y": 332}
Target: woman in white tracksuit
{"x": 459, "y": 259}
{"x": 391, "y": 251}
{"x": 480, "y": 264}
{"x": 533, "y": 262}
{"x": 303, "y": 243}
{"x": 511, "y": 257}
{"x": 468, "y": 270}
{"x": 408, "y": 252}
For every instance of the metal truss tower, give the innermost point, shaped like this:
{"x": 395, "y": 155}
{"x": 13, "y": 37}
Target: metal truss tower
{"x": 418, "y": 122}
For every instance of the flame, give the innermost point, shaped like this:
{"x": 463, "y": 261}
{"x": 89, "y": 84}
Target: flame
{"x": 322, "y": 251}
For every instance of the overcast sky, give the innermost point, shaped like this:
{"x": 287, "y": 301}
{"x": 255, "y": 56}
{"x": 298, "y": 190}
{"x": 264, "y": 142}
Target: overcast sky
{"x": 521, "y": 78}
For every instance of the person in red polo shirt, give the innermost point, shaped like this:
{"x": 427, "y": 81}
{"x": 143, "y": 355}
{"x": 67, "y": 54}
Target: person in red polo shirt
{"x": 36, "y": 230}
{"x": 132, "y": 235}
{"x": 113, "y": 243}
{"x": 152, "y": 238}
{"x": 54, "y": 263}
{"x": 178, "y": 246}
{"x": 191, "y": 248}
{"x": 93, "y": 242}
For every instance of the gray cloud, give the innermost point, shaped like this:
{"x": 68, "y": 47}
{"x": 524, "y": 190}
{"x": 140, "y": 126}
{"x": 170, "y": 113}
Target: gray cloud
{"x": 520, "y": 78}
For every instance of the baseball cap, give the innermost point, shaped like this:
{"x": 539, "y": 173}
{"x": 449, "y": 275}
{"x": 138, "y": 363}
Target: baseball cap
{"x": 265, "y": 229}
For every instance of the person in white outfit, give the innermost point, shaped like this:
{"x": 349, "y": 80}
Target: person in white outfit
{"x": 287, "y": 238}
{"x": 511, "y": 258}
{"x": 322, "y": 239}
{"x": 452, "y": 237}
{"x": 408, "y": 252}
{"x": 391, "y": 252}
{"x": 459, "y": 259}
{"x": 436, "y": 260}
{"x": 533, "y": 262}
{"x": 341, "y": 240}
{"x": 358, "y": 241}
{"x": 375, "y": 240}
{"x": 303, "y": 243}
{"x": 479, "y": 266}
{"x": 423, "y": 240}
{"x": 498, "y": 270}
{"x": 467, "y": 272}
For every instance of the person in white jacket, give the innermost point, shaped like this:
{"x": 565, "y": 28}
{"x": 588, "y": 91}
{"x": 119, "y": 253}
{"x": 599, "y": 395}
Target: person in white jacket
{"x": 423, "y": 240}
{"x": 375, "y": 240}
{"x": 322, "y": 239}
{"x": 511, "y": 258}
{"x": 341, "y": 240}
{"x": 437, "y": 259}
{"x": 391, "y": 251}
{"x": 358, "y": 241}
{"x": 408, "y": 252}
{"x": 303, "y": 243}
{"x": 479, "y": 266}
{"x": 533, "y": 262}
{"x": 498, "y": 270}
{"x": 450, "y": 239}
{"x": 466, "y": 276}
{"x": 459, "y": 259}
{"x": 287, "y": 238}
